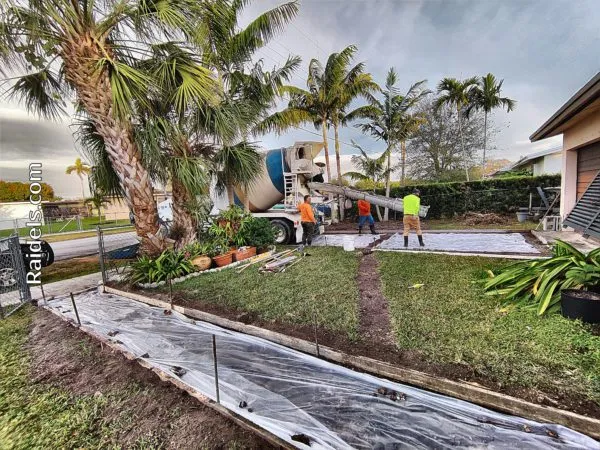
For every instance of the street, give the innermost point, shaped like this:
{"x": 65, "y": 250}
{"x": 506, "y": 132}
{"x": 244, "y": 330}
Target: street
{"x": 89, "y": 246}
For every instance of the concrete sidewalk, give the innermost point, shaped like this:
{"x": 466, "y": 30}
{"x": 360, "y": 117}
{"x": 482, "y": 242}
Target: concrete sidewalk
{"x": 65, "y": 286}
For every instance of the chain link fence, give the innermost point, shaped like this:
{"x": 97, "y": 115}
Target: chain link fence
{"x": 14, "y": 290}
{"x": 117, "y": 249}
{"x": 66, "y": 224}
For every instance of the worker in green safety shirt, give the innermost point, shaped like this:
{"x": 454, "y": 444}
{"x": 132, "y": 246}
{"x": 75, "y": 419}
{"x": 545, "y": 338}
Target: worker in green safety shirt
{"x": 411, "y": 206}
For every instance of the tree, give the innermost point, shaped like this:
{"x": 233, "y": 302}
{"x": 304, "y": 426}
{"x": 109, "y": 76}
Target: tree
{"x": 485, "y": 96}
{"x": 88, "y": 51}
{"x": 16, "y": 191}
{"x": 369, "y": 169}
{"x": 456, "y": 93}
{"x": 436, "y": 151}
{"x": 97, "y": 201}
{"x": 389, "y": 119}
{"x": 330, "y": 89}
{"x": 80, "y": 169}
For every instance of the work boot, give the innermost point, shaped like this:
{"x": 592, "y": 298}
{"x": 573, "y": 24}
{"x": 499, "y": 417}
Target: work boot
{"x": 421, "y": 243}
{"x": 405, "y": 241}
{"x": 372, "y": 228}
{"x": 359, "y": 230}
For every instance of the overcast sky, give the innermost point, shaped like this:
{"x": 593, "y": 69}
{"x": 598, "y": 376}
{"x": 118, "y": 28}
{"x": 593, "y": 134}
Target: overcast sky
{"x": 544, "y": 50}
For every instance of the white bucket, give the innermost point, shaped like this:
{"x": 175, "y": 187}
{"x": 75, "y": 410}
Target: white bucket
{"x": 349, "y": 243}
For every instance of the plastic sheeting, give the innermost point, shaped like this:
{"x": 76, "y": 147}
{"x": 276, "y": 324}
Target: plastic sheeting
{"x": 464, "y": 242}
{"x": 337, "y": 240}
{"x": 290, "y": 393}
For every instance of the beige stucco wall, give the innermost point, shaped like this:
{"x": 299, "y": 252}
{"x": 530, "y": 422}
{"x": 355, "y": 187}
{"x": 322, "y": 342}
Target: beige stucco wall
{"x": 583, "y": 132}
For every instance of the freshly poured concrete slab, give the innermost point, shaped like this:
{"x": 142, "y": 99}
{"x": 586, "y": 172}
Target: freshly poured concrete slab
{"x": 464, "y": 242}
{"x": 337, "y": 240}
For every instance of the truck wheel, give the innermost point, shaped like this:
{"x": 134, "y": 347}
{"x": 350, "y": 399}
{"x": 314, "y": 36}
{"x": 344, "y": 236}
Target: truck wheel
{"x": 284, "y": 231}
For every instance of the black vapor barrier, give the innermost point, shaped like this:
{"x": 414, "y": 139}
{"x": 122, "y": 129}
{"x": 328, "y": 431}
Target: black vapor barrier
{"x": 306, "y": 401}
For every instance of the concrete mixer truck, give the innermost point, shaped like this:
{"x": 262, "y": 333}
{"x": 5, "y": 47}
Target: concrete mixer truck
{"x": 287, "y": 175}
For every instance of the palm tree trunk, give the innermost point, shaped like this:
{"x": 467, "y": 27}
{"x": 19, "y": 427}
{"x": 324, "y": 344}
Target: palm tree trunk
{"x": 462, "y": 143}
{"x": 377, "y": 208}
{"x": 94, "y": 93}
{"x": 182, "y": 217}
{"x": 388, "y": 176}
{"x": 484, "y": 142}
{"x": 327, "y": 166}
{"x": 230, "y": 195}
{"x": 338, "y": 164}
{"x": 82, "y": 190}
{"x": 326, "y": 149}
{"x": 403, "y": 150}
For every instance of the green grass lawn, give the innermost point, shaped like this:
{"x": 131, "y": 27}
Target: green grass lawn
{"x": 34, "y": 416}
{"x": 52, "y": 226}
{"x": 324, "y": 281}
{"x": 449, "y": 320}
{"x": 70, "y": 268}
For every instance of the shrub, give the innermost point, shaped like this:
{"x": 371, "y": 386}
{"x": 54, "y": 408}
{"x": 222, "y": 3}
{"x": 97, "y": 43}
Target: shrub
{"x": 538, "y": 283}
{"x": 259, "y": 232}
{"x": 494, "y": 195}
{"x": 170, "y": 264}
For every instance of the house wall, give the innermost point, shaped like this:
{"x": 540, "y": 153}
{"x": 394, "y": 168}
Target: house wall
{"x": 578, "y": 138}
{"x": 588, "y": 166}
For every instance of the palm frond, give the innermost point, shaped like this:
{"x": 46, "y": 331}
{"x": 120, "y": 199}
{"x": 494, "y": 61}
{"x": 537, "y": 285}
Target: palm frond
{"x": 42, "y": 92}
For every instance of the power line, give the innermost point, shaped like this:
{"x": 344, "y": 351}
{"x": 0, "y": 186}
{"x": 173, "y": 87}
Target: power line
{"x": 310, "y": 39}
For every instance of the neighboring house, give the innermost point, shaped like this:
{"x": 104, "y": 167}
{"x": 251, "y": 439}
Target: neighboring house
{"x": 545, "y": 162}
{"x": 578, "y": 120}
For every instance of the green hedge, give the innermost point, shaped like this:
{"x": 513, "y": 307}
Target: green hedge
{"x": 498, "y": 195}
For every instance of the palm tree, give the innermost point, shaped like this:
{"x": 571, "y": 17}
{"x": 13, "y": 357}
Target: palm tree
{"x": 97, "y": 201}
{"x": 456, "y": 93}
{"x": 389, "y": 119}
{"x": 369, "y": 169}
{"x": 330, "y": 90}
{"x": 88, "y": 51}
{"x": 80, "y": 169}
{"x": 486, "y": 96}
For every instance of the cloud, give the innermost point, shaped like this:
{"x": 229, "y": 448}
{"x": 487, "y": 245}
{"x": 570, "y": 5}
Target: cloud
{"x": 545, "y": 50}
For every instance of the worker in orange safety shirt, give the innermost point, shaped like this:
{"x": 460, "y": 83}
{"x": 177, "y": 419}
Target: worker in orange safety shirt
{"x": 364, "y": 215}
{"x": 308, "y": 221}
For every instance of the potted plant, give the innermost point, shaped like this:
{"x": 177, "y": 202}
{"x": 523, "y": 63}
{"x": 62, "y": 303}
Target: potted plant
{"x": 584, "y": 301}
{"x": 538, "y": 283}
{"x": 197, "y": 253}
{"x": 220, "y": 252}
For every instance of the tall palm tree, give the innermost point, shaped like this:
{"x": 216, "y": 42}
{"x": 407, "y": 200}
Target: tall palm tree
{"x": 368, "y": 169}
{"x": 486, "y": 96}
{"x": 87, "y": 51}
{"x": 330, "y": 89}
{"x": 388, "y": 119}
{"x": 456, "y": 94}
{"x": 80, "y": 169}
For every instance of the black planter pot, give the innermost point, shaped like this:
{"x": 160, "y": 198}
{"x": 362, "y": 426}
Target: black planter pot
{"x": 579, "y": 304}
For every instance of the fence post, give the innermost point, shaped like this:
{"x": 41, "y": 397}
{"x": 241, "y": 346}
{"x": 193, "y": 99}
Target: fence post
{"x": 214, "y": 345}
{"x": 16, "y": 226}
{"x": 101, "y": 253}
{"x": 79, "y": 227}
